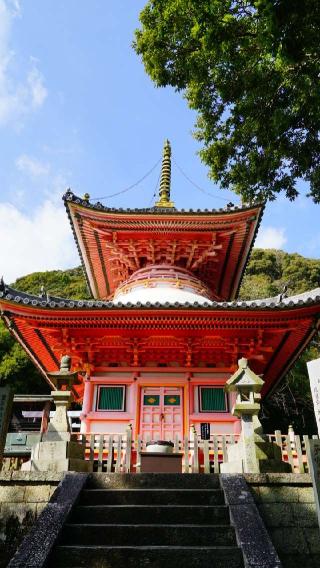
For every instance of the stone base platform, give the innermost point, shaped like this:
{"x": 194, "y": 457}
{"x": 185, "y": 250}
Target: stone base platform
{"x": 265, "y": 457}
{"x": 58, "y": 455}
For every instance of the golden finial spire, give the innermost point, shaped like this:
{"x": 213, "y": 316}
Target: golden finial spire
{"x": 165, "y": 181}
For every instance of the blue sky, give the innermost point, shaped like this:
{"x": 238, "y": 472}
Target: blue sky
{"x": 77, "y": 109}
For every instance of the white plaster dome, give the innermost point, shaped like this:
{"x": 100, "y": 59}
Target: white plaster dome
{"x": 162, "y": 283}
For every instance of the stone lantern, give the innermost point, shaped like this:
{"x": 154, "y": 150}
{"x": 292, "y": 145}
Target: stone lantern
{"x": 247, "y": 385}
{"x": 253, "y": 453}
{"x": 59, "y": 450}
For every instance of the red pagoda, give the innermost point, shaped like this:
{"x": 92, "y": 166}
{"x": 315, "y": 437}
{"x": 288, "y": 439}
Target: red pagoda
{"x": 164, "y": 330}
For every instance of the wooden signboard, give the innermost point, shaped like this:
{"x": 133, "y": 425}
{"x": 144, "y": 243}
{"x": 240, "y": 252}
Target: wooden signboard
{"x": 314, "y": 376}
{"x": 6, "y": 399}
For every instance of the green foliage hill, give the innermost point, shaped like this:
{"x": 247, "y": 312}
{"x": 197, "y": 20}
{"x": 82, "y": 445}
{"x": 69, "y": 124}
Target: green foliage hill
{"x": 267, "y": 273}
{"x": 270, "y": 270}
{"x": 61, "y": 283}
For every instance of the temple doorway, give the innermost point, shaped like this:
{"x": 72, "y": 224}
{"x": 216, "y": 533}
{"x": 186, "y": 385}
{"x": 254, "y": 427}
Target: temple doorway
{"x": 161, "y": 413}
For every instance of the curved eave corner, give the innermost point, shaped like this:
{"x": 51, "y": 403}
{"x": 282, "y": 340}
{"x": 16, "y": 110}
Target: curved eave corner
{"x": 92, "y": 292}
{"x": 303, "y": 345}
{"x": 261, "y": 208}
{"x": 20, "y": 339}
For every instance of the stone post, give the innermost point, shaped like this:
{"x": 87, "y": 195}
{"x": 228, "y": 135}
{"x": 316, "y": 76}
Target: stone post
{"x": 59, "y": 427}
{"x": 250, "y": 462}
{"x": 314, "y": 377}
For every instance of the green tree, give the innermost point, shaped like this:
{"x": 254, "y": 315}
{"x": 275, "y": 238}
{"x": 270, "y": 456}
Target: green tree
{"x": 291, "y": 403}
{"x": 250, "y": 69}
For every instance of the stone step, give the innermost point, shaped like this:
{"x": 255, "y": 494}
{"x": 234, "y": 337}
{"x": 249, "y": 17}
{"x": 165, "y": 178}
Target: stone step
{"x": 154, "y": 480}
{"x": 146, "y": 557}
{"x": 147, "y": 535}
{"x": 151, "y": 514}
{"x": 152, "y": 496}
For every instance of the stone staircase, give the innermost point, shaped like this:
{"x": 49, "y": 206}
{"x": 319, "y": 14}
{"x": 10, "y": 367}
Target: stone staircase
{"x": 149, "y": 521}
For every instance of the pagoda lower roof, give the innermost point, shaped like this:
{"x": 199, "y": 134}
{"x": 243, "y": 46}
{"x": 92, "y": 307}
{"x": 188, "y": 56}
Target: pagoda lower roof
{"x": 114, "y": 243}
{"x": 280, "y": 302}
{"x": 270, "y": 333}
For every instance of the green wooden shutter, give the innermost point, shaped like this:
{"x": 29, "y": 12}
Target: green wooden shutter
{"x": 212, "y": 399}
{"x": 111, "y": 398}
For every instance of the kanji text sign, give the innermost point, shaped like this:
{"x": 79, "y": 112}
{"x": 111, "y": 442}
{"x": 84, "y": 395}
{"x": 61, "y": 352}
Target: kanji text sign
{"x": 205, "y": 430}
{"x": 314, "y": 376}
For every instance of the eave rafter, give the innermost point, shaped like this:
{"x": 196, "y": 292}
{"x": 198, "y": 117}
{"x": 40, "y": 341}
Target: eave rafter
{"x": 169, "y": 322}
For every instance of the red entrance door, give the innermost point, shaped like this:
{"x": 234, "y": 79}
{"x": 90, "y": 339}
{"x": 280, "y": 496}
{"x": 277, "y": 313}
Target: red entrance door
{"x": 161, "y": 413}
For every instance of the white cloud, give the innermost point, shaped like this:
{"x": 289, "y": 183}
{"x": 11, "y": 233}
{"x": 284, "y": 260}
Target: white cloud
{"x": 271, "y": 237}
{"x": 35, "y": 236}
{"x": 36, "y": 242}
{"x": 37, "y": 89}
{"x": 32, "y": 166}
{"x": 15, "y": 7}
{"x": 17, "y": 97}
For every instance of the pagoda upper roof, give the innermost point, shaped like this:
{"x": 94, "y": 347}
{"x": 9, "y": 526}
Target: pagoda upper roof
{"x": 113, "y": 243}
{"x": 270, "y": 333}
